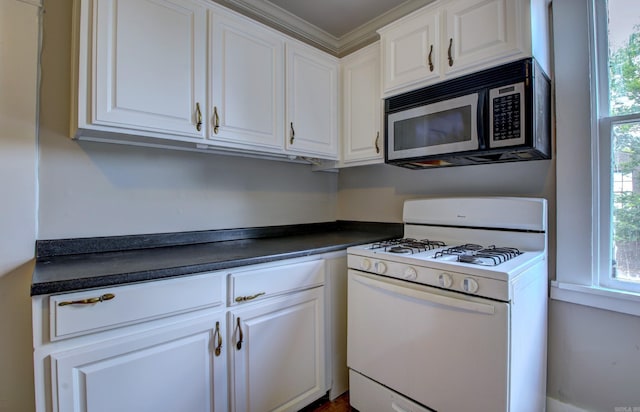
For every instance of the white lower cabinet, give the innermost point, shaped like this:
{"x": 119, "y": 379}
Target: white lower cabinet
{"x": 172, "y": 369}
{"x": 278, "y": 353}
{"x": 277, "y": 338}
{"x": 251, "y": 339}
{"x": 154, "y": 346}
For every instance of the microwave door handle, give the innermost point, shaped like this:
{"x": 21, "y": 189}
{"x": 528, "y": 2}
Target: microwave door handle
{"x": 483, "y": 132}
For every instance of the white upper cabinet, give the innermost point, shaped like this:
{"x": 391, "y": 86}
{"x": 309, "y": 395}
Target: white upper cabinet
{"x": 194, "y": 75}
{"x": 362, "y": 137}
{"x": 478, "y": 31}
{"x": 141, "y": 68}
{"x": 411, "y": 50}
{"x": 312, "y": 102}
{"x": 247, "y": 83}
{"x": 466, "y": 35}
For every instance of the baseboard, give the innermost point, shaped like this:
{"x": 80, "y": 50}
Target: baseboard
{"x": 554, "y": 405}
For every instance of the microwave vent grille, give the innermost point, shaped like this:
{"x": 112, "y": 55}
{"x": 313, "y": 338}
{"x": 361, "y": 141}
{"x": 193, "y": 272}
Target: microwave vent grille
{"x": 506, "y": 74}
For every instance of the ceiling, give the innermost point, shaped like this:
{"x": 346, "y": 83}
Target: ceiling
{"x": 336, "y": 26}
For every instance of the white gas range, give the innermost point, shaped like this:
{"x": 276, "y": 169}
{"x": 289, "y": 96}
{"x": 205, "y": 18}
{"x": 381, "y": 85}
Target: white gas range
{"x": 453, "y": 316}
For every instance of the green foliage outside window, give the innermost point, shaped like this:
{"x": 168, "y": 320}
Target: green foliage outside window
{"x": 624, "y": 98}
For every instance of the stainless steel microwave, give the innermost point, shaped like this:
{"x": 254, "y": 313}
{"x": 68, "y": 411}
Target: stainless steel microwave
{"x": 497, "y": 115}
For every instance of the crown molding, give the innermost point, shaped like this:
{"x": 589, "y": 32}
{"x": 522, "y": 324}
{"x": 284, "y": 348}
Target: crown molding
{"x": 276, "y": 17}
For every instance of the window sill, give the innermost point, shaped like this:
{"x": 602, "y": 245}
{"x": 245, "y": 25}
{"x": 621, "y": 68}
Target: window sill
{"x": 597, "y": 297}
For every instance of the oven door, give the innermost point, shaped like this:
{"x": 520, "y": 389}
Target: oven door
{"x": 448, "y": 126}
{"x": 444, "y": 350}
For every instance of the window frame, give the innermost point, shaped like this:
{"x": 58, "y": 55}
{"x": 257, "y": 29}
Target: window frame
{"x": 583, "y": 168}
{"x": 603, "y": 160}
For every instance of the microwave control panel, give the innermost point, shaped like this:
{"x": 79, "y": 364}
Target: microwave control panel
{"x": 506, "y": 115}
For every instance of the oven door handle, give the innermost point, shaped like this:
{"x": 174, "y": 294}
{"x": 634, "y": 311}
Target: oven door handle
{"x": 400, "y": 288}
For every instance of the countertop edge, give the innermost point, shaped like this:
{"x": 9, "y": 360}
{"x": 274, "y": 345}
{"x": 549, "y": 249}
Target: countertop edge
{"x": 91, "y": 281}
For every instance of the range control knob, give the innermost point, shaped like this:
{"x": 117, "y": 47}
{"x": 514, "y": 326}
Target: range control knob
{"x": 470, "y": 285}
{"x": 444, "y": 280}
{"x": 379, "y": 268}
{"x": 410, "y": 273}
{"x": 365, "y": 264}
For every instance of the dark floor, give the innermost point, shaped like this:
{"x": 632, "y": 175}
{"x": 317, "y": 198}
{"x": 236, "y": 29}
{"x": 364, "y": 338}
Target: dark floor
{"x": 340, "y": 404}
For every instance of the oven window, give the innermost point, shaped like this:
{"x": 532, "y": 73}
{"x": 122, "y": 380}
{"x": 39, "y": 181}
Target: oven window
{"x": 434, "y": 129}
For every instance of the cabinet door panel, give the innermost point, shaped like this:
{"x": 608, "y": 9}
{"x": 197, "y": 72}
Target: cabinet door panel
{"x": 248, "y": 83}
{"x": 362, "y": 106}
{"x": 481, "y": 31}
{"x": 170, "y": 370}
{"x": 408, "y": 50}
{"x": 150, "y": 65}
{"x": 312, "y": 102}
{"x": 280, "y": 365}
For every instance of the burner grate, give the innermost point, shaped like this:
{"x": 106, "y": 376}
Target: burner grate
{"x": 479, "y": 255}
{"x": 407, "y": 245}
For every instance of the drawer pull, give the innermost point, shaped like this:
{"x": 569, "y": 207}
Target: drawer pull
{"x": 218, "y": 349}
{"x": 240, "y": 338}
{"x": 106, "y": 296}
{"x": 245, "y": 298}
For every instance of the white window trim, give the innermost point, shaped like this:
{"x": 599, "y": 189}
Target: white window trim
{"x": 598, "y": 297}
{"x": 573, "y": 284}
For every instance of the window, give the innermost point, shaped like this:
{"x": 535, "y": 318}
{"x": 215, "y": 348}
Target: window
{"x": 597, "y": 129}
{"x": 617, "y": 50}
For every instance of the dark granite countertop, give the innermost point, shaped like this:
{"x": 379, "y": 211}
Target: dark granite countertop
{"x": 74, "y": 264}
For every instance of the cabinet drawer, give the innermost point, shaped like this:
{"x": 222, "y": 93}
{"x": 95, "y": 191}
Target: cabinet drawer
{"x": 79, "y": 313}
{"x": 262, "y": 283}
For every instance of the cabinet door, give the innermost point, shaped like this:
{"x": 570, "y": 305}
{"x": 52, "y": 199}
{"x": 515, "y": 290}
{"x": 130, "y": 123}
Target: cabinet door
{"x": 477, "y": 32}
{"x": 149, "y": 65}
{"x": 247, "y": 64}
{"x": 312, "y": 102}
{"x": 278, "y": 360}
{"x": 170, "y": 369}
{"x": 362, "y": 106}
{"x": 410, "y": 51}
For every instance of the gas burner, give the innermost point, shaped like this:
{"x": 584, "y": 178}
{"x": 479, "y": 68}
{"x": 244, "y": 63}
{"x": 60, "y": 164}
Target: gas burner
{"x": 385, "y": 244}
{"x": 399, "y": 249}
{"x": 478, "y": 255}
{"x": 407, "y": 245}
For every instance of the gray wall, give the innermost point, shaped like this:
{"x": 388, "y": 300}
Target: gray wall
{"x": 18, "y": 81}
{"x": 97, "y": 189}
{"x": 594, "y": 355}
